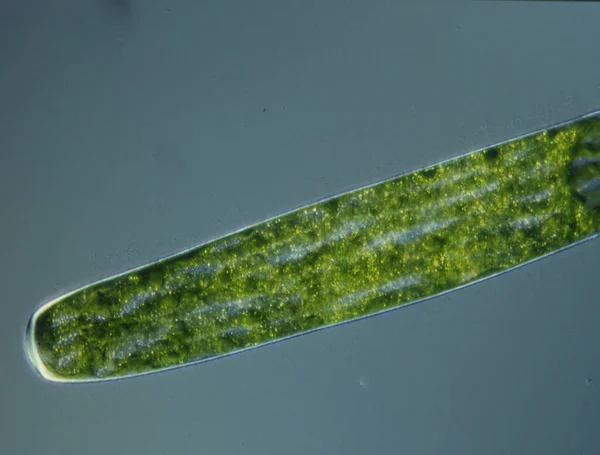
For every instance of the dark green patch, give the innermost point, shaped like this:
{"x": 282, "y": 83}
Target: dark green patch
{"x": 492, "y": 153}
{"x": 552, "y": 133}
{"x": 430, "y": 172}
{"x": 332, "y": 205}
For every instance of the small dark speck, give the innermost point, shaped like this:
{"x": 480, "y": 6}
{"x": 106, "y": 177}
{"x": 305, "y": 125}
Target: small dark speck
{"x": 552, "y": 133}
{"x": 167, "y": 10}
{"x": 264, "y": 109}
{"x": 492, "y": 153}
{"x": 588, "y": 381}
{"x": 429, "y": 172}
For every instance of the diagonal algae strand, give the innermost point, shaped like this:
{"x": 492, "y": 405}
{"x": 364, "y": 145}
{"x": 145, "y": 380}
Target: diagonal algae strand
{"x": 377, "y": 248}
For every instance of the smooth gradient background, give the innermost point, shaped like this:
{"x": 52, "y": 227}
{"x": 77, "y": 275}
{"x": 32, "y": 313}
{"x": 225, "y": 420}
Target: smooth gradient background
{"x": 130, "y": 130}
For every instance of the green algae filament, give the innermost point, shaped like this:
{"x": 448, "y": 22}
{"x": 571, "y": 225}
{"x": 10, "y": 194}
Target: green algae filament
{"x": 364, "y": 252}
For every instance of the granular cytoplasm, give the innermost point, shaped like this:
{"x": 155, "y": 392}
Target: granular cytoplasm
{"x": 363, "y": 252}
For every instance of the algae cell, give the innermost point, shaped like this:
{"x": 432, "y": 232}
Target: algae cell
{"x": 370, "y": 250}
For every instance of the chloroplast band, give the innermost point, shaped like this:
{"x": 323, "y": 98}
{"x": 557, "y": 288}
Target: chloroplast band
{"x": 364, "y": 252}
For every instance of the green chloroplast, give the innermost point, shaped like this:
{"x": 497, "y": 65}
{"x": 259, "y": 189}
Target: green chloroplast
{"x": 367, "y": 251}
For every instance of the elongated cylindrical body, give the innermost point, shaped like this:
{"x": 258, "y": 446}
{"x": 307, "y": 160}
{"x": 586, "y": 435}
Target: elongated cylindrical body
{"x": 370, "y": 250}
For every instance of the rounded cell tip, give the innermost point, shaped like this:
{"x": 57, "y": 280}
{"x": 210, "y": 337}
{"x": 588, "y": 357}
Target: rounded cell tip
{"x": 31, "y": 346}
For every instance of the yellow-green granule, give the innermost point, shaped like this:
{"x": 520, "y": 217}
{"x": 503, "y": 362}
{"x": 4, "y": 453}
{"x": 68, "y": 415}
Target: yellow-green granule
{"x": 370, "y": 250}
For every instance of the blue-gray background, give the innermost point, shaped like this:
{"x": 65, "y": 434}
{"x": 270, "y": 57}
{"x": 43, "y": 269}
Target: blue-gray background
{"x": 131, "y": 130}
